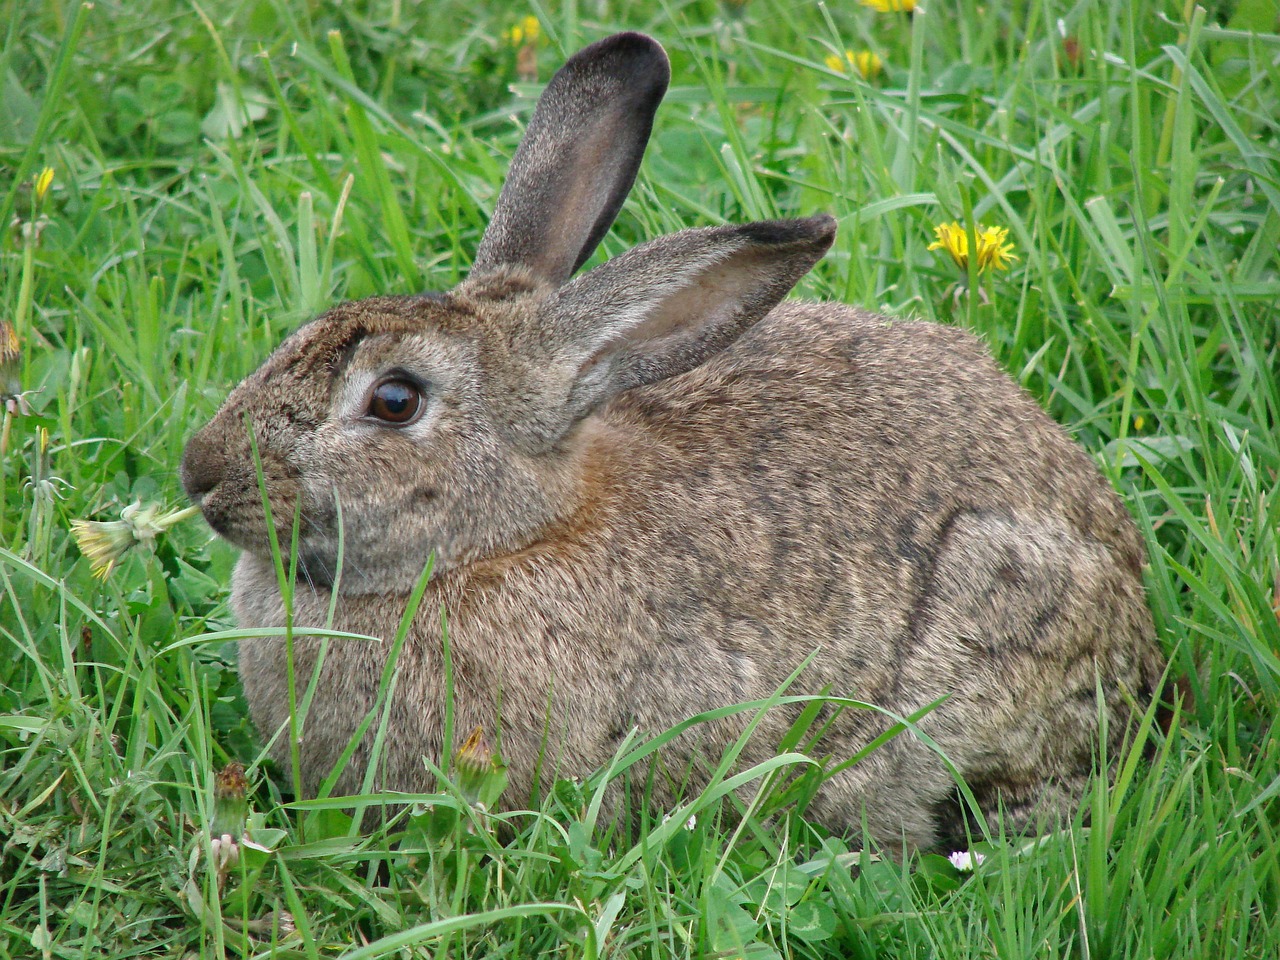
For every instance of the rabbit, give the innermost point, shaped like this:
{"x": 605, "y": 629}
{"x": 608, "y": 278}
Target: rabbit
{"x": 654, "y": 490}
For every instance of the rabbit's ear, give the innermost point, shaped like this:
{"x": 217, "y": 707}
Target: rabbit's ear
{"x": 578, "y": 158}
{"x": 667, "y": 306}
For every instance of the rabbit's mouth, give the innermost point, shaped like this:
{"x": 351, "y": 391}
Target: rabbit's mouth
{"x": 235, "y": 513}
{"x": 229, "y": 492}
{"x": 314, "y": 563}
{"x": 248, "y": 529}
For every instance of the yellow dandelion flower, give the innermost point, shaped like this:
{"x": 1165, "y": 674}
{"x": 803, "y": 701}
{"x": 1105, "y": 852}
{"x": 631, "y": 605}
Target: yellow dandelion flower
{"x": 868, "y": 63}
{"x": 953, "y": 239}
{"x": 526, "y": 31}
{"x": 105, "y": 542}
{"x": 994, "y": 252}
{"x": 865, "y": 62}
{"x": 890, "y": 6}
{"x": 43, "y": 183}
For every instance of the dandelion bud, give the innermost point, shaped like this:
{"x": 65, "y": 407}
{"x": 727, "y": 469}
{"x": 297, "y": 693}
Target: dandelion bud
{"x": 43, "y": 183}
{"x": 230, "y": 805}
{"x": 11, "y": 395}
{"x": 480, "y": 776}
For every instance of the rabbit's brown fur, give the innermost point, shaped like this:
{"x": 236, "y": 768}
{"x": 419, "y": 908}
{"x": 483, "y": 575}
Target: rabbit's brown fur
{"x": 652, "y": 491}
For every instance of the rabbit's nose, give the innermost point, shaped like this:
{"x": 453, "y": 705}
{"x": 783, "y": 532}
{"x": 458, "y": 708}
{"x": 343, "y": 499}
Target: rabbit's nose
{"x": 203, "y": 466}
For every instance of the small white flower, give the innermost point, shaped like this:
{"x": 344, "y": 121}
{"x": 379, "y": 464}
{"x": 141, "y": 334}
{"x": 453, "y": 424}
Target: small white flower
{"x": 965, "y": 860}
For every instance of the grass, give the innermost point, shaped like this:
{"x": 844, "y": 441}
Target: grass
{"x": 221, "y": 171}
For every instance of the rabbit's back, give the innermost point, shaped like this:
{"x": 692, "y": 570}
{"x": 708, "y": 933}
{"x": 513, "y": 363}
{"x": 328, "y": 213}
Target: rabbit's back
{"x": 834, "y": 455}
{"x": 826, "y": 411}
{"x": 878, "y": 490}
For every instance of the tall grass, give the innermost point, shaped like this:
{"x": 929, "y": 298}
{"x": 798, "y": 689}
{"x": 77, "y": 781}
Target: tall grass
{"x": 223, "y": 170}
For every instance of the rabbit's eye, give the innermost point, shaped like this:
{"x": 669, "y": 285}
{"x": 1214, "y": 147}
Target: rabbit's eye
{"x": 395, "y": 401}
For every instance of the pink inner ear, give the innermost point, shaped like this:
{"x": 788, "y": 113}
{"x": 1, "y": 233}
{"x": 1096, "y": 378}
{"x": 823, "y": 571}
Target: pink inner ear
{"x": 680, "y": 327}
{"x": 594, "y": 170}
{"x": 667, "y": 306}
{"x": 578, "y": 159}
{"x": 701, "y": 306}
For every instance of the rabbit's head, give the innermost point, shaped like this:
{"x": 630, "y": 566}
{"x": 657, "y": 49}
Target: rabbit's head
{"x": 460, "y": 424}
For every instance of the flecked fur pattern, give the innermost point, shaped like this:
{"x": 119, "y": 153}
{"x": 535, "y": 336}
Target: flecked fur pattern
{"x": 655, "y": 489}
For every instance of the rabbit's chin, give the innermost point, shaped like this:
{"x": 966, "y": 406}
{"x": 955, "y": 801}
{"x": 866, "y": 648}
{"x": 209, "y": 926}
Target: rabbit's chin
{"x": 320, "y": 569}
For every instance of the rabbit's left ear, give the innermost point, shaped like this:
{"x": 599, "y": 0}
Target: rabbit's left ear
{"x": 670, "y": 305}
{"x": 578, "y": 159}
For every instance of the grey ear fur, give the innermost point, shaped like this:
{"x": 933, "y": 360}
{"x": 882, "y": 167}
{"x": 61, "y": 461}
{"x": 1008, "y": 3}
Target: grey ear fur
{"x": 578, "y": 159}
{"x": 669, "y": 305}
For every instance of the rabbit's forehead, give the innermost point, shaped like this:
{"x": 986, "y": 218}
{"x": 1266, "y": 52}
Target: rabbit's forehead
{"x": 429, "y": 353}
{"x": 374, "y": 348}
{"x": 346, "y": 325}
{"x": 371, "y": 331}
{"x": 442, "y": 338}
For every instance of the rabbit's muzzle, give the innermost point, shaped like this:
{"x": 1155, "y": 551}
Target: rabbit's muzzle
{"x": 203, "y": 468}
{"x": 224, "y": 483}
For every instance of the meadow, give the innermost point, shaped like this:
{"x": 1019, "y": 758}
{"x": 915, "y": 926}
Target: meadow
{"x": 218, "y": 172}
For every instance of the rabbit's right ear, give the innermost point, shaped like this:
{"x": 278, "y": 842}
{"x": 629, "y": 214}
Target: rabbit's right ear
{"x": 659, "y": 310}
{"x": 578, "y": 159}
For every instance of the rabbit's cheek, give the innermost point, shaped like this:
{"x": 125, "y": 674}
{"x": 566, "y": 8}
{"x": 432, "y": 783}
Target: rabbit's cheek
{"x": 373, "y": 532}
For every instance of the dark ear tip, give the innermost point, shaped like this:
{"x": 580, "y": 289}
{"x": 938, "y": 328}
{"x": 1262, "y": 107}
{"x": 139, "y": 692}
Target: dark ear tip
{"x": 824, "y": 226}
{"x": 629, "y": 43}
{"x": 631, "y": 40}
{"x": 818, "y": 230}
{"x": 637, "y": 55}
